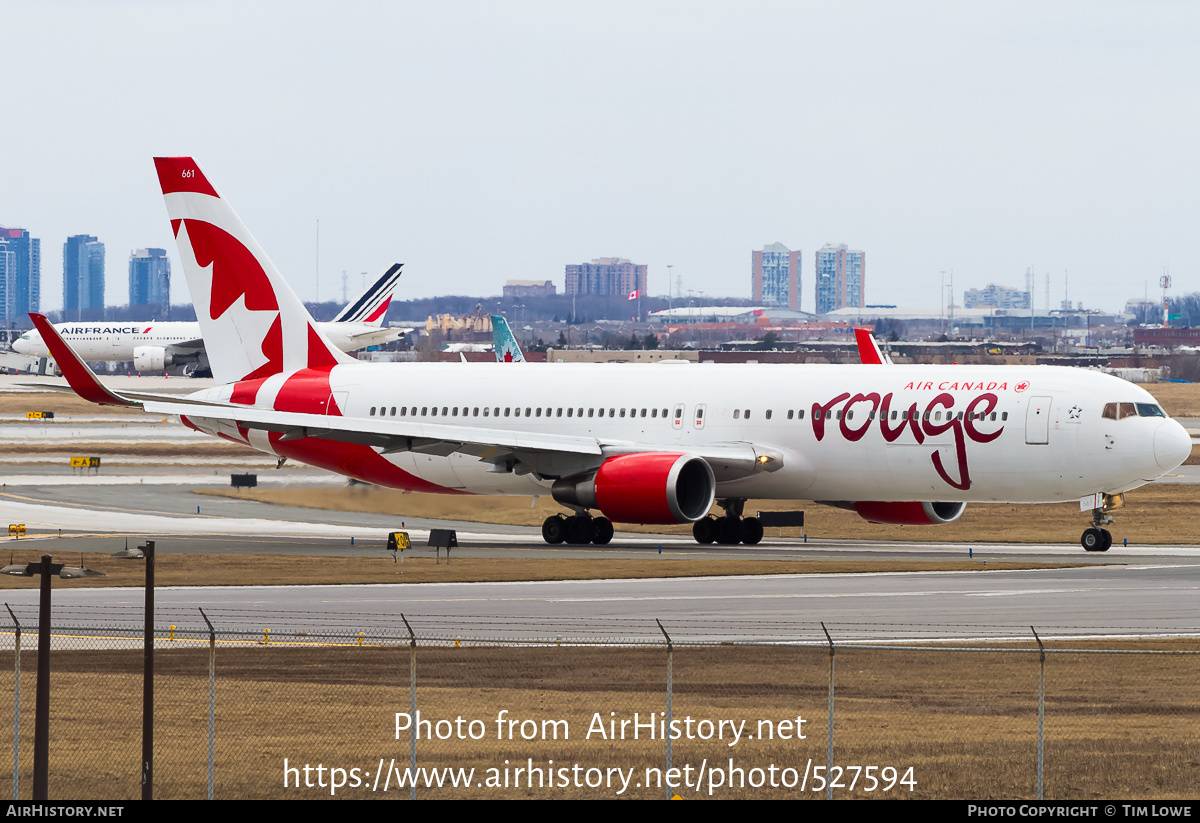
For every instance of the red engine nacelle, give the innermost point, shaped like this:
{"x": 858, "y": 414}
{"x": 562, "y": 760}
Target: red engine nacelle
{"x": 655, "y": 487}
{"x": 909, "y": 514}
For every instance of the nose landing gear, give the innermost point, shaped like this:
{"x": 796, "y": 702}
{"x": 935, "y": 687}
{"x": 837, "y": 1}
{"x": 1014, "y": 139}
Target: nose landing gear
{"x": 1097, "y": 538}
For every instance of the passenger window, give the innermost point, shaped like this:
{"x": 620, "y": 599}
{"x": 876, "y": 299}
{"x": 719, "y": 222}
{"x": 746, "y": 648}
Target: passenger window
{"x": 424, "y": 411}
{"x": 372, "y": 411}
{"x": 485, "y": 411}
{"x": 747, "y": 414}
{"x": 737, "y": 414}
{"x": 791, "y": 413}
{"x": 393, "y": 411}
{"x": 768, "y": 414}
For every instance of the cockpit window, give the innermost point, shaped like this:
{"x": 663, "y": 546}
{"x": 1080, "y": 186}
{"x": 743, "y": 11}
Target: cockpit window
{"x": 1119, "y": 411}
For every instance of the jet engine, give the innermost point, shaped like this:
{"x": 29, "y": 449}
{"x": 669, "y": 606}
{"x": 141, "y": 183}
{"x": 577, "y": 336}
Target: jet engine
{"x": 652, "y": 487}
{"x": 909, "y": 514}
{"x": 150, "y": 358}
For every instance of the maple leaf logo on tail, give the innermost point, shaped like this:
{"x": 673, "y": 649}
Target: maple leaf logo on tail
{"x": 252, "y": 322}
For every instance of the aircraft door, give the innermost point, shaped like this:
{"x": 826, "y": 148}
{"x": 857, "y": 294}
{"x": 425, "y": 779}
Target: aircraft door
{"x": 1037, "y": 421}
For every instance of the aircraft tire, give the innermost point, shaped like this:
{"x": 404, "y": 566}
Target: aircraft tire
{"x": 1107, "y": 544}
{"x": 603, "y": 531}
{"x": 705, "y": 530}
{"x": 1092, "y": 540}
{"x": 554, "y": 529}
{"x": 752, "y": 531}
{"x": 580, "y": 530}
{"x": 729, "y": 531}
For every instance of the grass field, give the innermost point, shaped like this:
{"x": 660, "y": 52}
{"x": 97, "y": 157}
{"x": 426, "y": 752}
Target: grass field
{"x": 964, "y": 722}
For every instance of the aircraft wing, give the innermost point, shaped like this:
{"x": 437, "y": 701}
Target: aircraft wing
{"x": 553, "y": 455}
{"x": 549, "y": 455}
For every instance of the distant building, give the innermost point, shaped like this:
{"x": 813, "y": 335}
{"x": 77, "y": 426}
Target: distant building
{"x": 995, "y": 297}
{"x": 514, "y": 289}
{"x": 775, "y": 276}
{"x": 150, "y": 280}
{"x": 608, "y": 276}
{"x": 20, "y": 276}
{"x": 83, "y": 275}
{"x": 841, "y": 278}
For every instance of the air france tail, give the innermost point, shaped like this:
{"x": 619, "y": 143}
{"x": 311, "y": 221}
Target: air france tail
{"x": 370, "y": 306}
{"x": 252, "y": 323}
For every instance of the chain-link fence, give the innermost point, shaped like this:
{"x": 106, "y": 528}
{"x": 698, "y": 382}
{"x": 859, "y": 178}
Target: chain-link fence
{"x": 296, "y": 708}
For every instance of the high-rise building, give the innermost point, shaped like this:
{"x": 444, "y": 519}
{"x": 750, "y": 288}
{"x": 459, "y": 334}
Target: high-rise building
{"x": 20, "y": 276}
{"x": 150, "y": 280}
{"x": 841, "y": 278}
{"x": 995, "y": 297}
{"x": 606, "y": 275}
{"x": 775, "y": 276}
{"x": 83, "y": 276}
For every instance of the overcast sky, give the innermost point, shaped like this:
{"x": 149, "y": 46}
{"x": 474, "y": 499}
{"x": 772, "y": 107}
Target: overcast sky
{"x": 479, "y": 142}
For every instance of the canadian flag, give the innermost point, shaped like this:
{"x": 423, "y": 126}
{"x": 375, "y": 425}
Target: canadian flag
{"x": 633, "y": 295}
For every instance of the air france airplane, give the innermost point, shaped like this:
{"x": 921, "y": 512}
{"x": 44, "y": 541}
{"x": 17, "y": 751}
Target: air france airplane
{"x": 154, "y": 346}
{"x": 658, "y": 444}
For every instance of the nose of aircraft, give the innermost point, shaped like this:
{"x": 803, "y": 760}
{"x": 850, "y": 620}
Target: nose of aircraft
{"x": 21, "y": 345}
{"x": 1172, "y": 445}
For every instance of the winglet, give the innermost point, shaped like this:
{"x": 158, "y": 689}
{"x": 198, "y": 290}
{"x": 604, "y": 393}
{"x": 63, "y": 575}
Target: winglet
{"x": 868, "y": 350}
{"x": 82, "y": 379}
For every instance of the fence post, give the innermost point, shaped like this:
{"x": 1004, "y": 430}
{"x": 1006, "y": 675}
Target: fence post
{"x": 670, "y": 692}
{"x": 1041, "y": 710}
{"x": 212, "y": 699}
{"x": 829, "y": 729}
{"x": 16, "y": 704}
{"x": 412, "y": 710}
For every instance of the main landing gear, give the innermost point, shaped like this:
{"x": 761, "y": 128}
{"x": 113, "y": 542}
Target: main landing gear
{"x": 578, "y": 530}
{"x": 730, "y": 529}
{"x": 1097, "y": 538}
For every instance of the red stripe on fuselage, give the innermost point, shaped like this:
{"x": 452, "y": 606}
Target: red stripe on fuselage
{"x": 354, "y": 460}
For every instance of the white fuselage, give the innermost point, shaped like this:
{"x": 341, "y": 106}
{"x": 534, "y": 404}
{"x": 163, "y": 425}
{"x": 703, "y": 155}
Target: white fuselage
{"x": 983, "y": 433}
{"x": 119, "y": 341}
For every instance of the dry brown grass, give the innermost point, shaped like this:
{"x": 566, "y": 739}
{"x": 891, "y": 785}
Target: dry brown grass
{"x": 208, "y": 447}
{"x": 280, "y": 570}
{"x": 1116, "y": 726}
{"x": 1178, "y": 399}
{"x": 1154, "y": 514}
